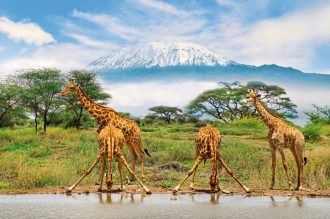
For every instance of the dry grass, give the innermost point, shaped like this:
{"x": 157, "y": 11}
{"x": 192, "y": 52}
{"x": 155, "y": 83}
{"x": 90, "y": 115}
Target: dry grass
{"x": 58, "y": 158}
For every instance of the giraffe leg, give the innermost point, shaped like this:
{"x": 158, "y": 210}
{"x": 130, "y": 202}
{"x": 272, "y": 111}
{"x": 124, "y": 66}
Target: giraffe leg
{"x": 120, "y": 168}
{"x": 246, "y": 189}
{"x": 295, "y": 158}
{"x": 213, "y": 177}
{"x": 285, "y": 166}
{"x": 124, "y": 162}
{"x": 134, "y": 158}
{"x": 110, "y": 147}
{"x": 273, "y": 152}
{"x": 197, "y": 161}
{"x": 300, "y": 166}
{"x": 86, "y": 173}
{"x": 193, "y": 179}
{"x": 142, "y": 157}
{"x": 101, "y": 176}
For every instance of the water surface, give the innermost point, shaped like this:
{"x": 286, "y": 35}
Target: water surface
{"x": 161, "y": 206}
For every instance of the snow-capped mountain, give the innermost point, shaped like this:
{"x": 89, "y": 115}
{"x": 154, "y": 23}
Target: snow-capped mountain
{"x": 160, "y": 54}
{"x": 180, "y": 61}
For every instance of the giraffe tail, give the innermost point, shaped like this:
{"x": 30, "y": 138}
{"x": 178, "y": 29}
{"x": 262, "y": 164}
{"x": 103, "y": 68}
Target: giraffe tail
{"x": 147, "y": 152}
{"x": 305, "y": 160}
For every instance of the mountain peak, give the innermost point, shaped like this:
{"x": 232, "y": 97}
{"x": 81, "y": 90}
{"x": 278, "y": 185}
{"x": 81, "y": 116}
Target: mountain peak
{"x": 160, "y": 54}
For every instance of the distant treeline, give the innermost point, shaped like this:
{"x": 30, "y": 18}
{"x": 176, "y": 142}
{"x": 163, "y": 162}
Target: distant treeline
{"x": 32, "y": 97}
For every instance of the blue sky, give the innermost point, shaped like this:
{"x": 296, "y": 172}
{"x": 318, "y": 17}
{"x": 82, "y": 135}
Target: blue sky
{"x": 69, "y": 34}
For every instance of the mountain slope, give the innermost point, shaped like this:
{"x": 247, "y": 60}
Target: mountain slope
{"x": 174, "y": 61}
{"x": 159, "y": 54}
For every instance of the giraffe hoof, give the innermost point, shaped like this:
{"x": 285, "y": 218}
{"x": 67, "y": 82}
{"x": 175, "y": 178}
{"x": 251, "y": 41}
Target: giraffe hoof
{"x": 225, "y": 191}
{"x": 148, "y": 192}
{"x": 247, "y": 190}
{"x": 300, "y": 188}
{"x": 99, "y": 190}
{"x": 68, "y": 191}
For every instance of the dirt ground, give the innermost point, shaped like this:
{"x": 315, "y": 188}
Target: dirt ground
{"x": 136, "y": 189}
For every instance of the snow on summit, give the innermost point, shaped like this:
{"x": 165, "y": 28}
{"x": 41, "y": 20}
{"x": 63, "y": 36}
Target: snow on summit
{"x": 159, "y": 54}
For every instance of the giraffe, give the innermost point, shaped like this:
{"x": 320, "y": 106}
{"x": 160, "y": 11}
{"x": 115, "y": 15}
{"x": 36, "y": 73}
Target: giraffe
{"x": 207, "y": 142}
{"x": 281, "y": 136}
{"x": 108, "y": 116}
{"x": 111, "y": 141}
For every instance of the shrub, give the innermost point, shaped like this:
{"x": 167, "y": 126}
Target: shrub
{"x": 312, "y": 132}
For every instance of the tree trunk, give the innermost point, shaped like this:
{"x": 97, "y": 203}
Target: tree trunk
{"x": 78, "y": 122}
{"x": 36, "y": 119}
{"x": 45, "y": 121}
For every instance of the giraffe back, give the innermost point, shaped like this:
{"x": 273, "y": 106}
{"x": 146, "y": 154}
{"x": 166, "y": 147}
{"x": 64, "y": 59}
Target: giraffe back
{"x": 109, "y": 135}
{"x": 207, "y": 141}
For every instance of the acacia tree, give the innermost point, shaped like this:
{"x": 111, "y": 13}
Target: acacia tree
{"x": 274, "y": 98}
{"x": 87, "y": 81}
{"x": 166, "y": 113}
{"x": 10, "y": 99}
{"x": 41, "y": 93}
{"x": 228, "y": 102}
{"x": 320, "y": 114}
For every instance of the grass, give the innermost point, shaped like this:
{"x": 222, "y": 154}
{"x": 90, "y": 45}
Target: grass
{"x": 56, "y": 159}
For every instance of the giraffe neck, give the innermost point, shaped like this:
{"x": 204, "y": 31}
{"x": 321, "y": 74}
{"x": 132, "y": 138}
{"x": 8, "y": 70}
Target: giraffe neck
{"x": 93, "y": 108}
{"x": 97, "y": 110}
{"x": 267, "y": 117}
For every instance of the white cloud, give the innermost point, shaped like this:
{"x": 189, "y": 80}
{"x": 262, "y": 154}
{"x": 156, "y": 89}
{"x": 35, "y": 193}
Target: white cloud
{"x": 85, "y": 40}
{"x": 289, "y": 40}
{"x": 64, "y": 56}
{"x": 110, "y": 24}
{"x": 136, "y": 98}
{"x": 162, "y": 6}
{"x": 29, "y": 33}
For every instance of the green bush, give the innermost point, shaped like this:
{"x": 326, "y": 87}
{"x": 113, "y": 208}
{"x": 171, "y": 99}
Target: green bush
{"x": 312, "y": 132}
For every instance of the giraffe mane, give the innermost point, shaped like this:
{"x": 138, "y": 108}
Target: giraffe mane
{"x": 276, "y": 116}
{"x": 104, "y": 107}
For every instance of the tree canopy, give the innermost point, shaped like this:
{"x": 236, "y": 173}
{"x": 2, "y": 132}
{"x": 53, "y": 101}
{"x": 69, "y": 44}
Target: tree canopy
{"x": 42, "y": 92}
{"x": 87, "y": 81}
{"x": 320, "y": 114}
{"x": 228, "y": 102}
{"x": 10, "y": 100}
{"x": 167, "y": 113}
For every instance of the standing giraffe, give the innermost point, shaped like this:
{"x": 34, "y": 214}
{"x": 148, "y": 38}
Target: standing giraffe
{"x": 207, "y": 141}
{"x": 108, "y": 116}
{"x": 280, "y": 136}
{"x": 111, "y": 141}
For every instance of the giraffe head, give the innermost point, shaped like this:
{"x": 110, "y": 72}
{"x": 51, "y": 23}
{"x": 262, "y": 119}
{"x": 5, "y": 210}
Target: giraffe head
{"x": 252, "y": 96}
{"x": 71, "y": 88}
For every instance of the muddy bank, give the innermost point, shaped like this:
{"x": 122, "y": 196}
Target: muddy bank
{"x": 133, "y": 189}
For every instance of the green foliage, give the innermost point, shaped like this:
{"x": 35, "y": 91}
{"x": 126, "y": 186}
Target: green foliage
{"x": 10, "y": 99}
{"x": 41, "y": 92}
{"x": 228, "y": 102}
{"x": 312, "y": 132}
{"x": 167, "y": 113}
{"x": 76, "y": 117}
{"x": 59, "y": 157}
{"x": 245, "y": 126}
{"x": 320, "y": 115}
